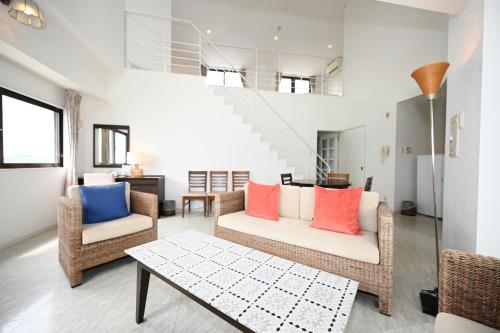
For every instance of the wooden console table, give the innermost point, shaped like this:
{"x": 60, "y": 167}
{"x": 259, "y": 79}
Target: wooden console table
{"x": 149, "y": 184}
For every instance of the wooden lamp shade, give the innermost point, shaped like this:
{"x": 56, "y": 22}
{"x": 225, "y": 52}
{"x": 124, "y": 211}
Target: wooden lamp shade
{"x": 429, "y": 78}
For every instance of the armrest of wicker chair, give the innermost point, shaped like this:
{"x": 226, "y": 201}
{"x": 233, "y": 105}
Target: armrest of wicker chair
{"x": 69, "y": 221}
{"x": 229, "y": 202}
{"x": 469, "y": 287}
{"x": 385, "y": 234}
{"x": 144, "y": 204}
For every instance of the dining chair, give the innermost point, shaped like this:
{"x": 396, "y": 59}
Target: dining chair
{"x": 239, "y": 179}
{"x": 286, "y": 179}
{"x": 98, "y": 178}
{"x": 218, "y": 184}
{"x": 338, "y": 176}
{"x": 197, "y": 190}
{"x": 368, "y": 184}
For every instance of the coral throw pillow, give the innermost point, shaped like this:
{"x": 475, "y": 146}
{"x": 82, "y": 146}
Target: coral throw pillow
{"x": 337, "y": 210}
{"x": 263, "y": 201}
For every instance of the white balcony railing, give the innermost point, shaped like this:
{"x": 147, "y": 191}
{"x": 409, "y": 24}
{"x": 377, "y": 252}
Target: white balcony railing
{"x": 178, "y": 46}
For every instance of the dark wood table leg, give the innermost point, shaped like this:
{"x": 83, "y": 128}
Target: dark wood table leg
{"x": 141, "y": 292}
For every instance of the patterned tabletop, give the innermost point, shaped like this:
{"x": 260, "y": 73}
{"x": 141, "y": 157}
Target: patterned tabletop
{"x": 263, "y": 292}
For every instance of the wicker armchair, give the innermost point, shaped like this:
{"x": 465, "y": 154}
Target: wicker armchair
{"x": 469, "y": 287}
{"x": 75, "y": 256}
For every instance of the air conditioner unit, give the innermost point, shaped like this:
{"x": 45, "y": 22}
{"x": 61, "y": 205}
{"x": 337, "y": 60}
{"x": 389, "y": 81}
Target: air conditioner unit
{"x": 334, "y": 66}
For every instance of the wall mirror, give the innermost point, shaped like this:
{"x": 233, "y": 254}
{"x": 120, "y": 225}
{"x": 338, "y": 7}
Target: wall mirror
{"x": 111, "y": 144}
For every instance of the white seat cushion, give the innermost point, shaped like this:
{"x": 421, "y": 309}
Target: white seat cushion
{"x": 289, "y": 201}
{"x": 368, "y": 205}
{"x": 97, "y": 232}
{"x": 450, "y": 323}
{"x": 298, "y": 232}
{"x": 74, "y": 193}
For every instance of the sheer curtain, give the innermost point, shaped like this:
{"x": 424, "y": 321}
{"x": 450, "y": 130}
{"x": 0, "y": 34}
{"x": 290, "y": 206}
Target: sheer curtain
{"x": 72, "y": 108}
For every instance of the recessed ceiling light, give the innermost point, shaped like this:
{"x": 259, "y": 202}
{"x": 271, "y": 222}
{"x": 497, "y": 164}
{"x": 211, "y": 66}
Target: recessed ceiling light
{"x": 275, "y": 38}
{"x": 209, "y": 31}
{"x": 329, "y": 46}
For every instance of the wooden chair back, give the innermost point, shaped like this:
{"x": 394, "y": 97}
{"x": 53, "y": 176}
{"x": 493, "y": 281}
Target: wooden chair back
{"x": 218, "y": 181}
{"x": 338, "y": 176}
{"x": 368, "y": 184}
{"x": 239, "y": 179}
{"x": 286, "y": 179}
{"x": 197, "y": 181}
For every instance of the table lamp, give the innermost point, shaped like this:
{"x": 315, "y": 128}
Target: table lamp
{"x": 135, "y": 159}
{"x": 429, "y": 79}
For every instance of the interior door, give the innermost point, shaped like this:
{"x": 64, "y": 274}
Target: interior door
{"x": 327, "y": 149}
{"x": 352, "y": 152}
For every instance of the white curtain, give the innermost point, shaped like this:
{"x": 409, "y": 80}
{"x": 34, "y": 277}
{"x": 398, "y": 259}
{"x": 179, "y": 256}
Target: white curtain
{"x": 72, "y": 108}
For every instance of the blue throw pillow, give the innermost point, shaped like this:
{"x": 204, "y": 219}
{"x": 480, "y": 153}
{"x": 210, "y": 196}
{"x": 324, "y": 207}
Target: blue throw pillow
{"x": 103, "y": 203}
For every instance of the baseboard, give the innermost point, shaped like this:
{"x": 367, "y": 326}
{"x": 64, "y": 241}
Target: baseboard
{"x": 28, "y": 236}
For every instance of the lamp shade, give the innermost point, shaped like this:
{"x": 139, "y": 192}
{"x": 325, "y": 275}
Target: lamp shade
{"x": 135, "y": 158}
{"x": 429, "y": 78}
{"x": 27, "y": 12}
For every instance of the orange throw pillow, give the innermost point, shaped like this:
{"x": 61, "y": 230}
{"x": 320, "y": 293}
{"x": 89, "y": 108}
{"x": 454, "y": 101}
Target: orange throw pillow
{"x": 263, "y": 201}
{"x": 337, "y": 210}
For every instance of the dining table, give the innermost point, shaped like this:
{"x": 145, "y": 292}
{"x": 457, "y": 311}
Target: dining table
{"x": 336, "y": 183}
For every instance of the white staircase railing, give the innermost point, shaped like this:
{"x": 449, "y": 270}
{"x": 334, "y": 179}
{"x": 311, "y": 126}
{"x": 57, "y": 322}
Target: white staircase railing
{"x": 178, "y": 46}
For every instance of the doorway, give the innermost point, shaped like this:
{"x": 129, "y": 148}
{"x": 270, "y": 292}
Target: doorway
{"x": 352, "y": 154}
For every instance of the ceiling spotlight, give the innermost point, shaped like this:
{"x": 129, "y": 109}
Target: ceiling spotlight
{"x": 275, "y": 38}
{"x": 209, "y": 31}
{"x": 329, "y": 46}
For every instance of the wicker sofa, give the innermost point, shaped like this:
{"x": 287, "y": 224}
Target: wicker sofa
{"x": 84, "y": 246}
{"x": 367, "y": 259}
{"x": 469, "y": 293}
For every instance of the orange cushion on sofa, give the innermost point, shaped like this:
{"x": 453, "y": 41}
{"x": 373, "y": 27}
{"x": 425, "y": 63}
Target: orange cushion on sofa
{"x": 337, "y": 210}
{"x": 263, "y": 201}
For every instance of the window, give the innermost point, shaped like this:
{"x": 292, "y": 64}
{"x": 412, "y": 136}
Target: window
{"x": 294, "y": 85}
{"x": 30, "y": 132}
{"x": 224, "y": 78}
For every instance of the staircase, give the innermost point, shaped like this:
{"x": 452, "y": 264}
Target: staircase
{"x": 178, "y": 46}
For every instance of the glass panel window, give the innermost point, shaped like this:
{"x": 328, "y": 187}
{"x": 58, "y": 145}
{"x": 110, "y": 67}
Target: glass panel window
{"x": 285, "y": 85}
{"x": 302, "y": 86}
{"x": 214, "y": 78}
{"x": 31, "y": 134}
{"x": 232, "y": 79}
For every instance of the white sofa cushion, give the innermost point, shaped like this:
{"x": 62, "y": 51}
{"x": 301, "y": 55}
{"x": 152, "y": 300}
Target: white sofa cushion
{"x": 368, "y": 205}
{"x": 450, "y": 323}
{"x": 289, "y": 201}
{"x": 298, "y": 232}
{"x": 97, "y": 232}
{"x": 74, "y": 193}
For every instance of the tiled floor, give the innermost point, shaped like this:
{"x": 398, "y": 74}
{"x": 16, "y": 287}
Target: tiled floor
{"x": 35, "y": 295}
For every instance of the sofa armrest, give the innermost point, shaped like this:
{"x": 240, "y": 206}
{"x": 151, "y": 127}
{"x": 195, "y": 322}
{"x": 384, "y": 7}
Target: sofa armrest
{"x": 69, "y": 222}
{"x": 229, "y": 202}
{"x": 469, "y": 287}
{"x": 144, "y": 204}
{"x": 385, "y": 234}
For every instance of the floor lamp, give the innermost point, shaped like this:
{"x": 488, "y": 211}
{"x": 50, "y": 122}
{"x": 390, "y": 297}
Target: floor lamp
{"x": 429, "y": 79}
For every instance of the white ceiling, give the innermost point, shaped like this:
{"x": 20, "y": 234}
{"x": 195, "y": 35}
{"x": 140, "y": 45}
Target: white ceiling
{"x": 454, "y": 7}
{"x": 307, "y": 27}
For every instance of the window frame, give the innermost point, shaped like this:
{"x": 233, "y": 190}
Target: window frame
{"x": 59, "y": 131}
{"x": 293, "y": 79}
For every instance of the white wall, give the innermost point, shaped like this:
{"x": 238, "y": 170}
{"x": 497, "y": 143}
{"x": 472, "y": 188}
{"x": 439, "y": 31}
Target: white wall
{"x": 413, "y": 130}
{"x": 100, "y": 24}
{"x": 383, "y": 44}
{"x": 180, "y": 125}
{"x": 488, "y": 226}
{"x": 465, "y": 53}
{"x": 56, "y": 52}
{"x": 28, "y": 196}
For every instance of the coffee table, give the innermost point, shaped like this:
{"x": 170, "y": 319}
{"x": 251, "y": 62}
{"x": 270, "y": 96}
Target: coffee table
{"x": 252, "y": 290}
